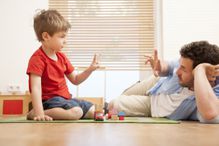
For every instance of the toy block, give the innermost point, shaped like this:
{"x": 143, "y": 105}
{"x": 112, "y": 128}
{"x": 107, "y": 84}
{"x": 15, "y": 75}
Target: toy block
{"x": 121, "y": 115}
{"x": 108, "y": 116}
{"x": 114, "y": 117}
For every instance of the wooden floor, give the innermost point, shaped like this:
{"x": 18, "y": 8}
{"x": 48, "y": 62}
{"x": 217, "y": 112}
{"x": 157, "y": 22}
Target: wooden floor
{"x": 98, "y": 134}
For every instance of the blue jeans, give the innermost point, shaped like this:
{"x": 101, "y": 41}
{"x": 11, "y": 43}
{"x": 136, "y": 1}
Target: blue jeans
{"x": 66, "y": 104}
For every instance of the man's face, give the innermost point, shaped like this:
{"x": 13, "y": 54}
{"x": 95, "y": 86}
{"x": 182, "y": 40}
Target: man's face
{"x": 184, "y": 72}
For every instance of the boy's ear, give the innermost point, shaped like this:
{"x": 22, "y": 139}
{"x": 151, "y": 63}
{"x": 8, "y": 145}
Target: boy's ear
{"x": 45, "y": 36}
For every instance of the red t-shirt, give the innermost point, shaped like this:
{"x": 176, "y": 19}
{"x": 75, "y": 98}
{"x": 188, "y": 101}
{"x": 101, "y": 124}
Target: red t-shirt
{"x": 52, "y": 73}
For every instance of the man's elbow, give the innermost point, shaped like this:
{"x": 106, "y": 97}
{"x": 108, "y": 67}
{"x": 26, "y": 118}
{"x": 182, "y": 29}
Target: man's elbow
{"x": 209, "y": 115}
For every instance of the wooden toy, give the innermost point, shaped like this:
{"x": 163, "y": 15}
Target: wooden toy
{"x": 114, "y": 117}
{"x": 99, "y": 113}
{"x": 113, "y": 114}
{"x": 108, "y": 116}
{"x": 121, "y": 115}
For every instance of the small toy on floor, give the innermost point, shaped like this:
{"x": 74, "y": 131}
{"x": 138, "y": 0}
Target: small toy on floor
{"x": 99, "y": 113}
{"x": 115, "y": 115}
{"x": 121, "y": 115}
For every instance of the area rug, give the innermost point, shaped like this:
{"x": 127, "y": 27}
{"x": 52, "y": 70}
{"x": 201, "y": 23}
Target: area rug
{"x": 142, "y": 120}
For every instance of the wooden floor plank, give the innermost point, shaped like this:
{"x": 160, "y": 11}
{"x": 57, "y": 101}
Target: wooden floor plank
{"x": 86, "y": 134}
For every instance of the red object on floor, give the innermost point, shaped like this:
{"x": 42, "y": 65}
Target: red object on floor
{"x": 12, "y": 107}
{"x": 98, "y": 116}
{"x": 109, "y": 116}
{"x": 121, "y": 118}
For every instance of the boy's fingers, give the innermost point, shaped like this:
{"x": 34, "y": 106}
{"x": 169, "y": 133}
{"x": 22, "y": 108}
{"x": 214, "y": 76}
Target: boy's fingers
{"x": 47, "y": 118}
{"x": 42, "y": 118}
{"x": 94, "y": 58}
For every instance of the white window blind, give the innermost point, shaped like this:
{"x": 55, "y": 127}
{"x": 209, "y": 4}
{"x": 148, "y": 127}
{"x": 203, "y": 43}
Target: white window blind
{"x": 122, "y": 31}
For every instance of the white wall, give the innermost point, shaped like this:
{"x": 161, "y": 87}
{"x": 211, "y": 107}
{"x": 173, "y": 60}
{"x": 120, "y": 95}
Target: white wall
{"x": 185, "y": 21}
{"x": 18, "y": 40}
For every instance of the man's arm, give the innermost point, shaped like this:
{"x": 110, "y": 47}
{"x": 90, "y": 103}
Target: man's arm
{"x": 160, "y": 68}
{"x": 206, "y": 100}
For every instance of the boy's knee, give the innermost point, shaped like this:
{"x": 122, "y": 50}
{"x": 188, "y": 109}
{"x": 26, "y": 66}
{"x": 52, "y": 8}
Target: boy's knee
{"x": 76, "y": 113}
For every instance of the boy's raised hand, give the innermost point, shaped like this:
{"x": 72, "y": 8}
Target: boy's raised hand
{"x": 154, "y": 62}
{"x": 95, "y": 63}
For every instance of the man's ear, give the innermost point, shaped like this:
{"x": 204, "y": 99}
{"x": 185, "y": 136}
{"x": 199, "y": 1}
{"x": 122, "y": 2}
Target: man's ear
{"x": 45, "y": 36}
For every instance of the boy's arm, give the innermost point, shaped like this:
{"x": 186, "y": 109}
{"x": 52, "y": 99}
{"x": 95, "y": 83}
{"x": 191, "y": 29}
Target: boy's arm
{"x": 36, "y": 95}
{"x": 79, "y": 78}
{"x": 206, "y": 100}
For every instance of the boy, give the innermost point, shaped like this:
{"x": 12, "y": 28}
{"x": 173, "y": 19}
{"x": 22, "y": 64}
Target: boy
{"x": 47, "y": 69}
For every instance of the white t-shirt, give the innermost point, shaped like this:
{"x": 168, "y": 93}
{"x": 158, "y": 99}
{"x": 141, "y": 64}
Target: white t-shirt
{"x": 163, "y": 105}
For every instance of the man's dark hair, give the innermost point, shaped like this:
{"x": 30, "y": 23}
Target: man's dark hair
{"x": 201, "y": 52}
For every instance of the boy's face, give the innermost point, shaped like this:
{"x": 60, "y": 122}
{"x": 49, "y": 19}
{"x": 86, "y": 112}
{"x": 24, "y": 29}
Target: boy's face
{"x": 184, "y": 72}
{"x": 57, "y": 41}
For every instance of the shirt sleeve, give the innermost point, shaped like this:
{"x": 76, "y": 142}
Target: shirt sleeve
{"x": 172, "y": 65}
{"x": 216, "y": 90}
{"x": 36, "y": 66}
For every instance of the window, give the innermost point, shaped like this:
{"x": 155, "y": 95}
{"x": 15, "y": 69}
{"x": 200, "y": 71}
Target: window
{"x": 122, "y": 31}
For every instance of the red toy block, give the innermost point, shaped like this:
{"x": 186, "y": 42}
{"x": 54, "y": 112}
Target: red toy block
{"x": 121, "y": 118}
{"x": 121, "y": 115}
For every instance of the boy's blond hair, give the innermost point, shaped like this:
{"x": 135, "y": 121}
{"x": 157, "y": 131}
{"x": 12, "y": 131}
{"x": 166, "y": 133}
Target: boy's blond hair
{"x": 50, "y": 21}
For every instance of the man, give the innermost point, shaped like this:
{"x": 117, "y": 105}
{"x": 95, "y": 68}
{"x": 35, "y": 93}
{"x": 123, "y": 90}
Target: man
{"x": 206, "y": 97}
{"x": 176, "y": 83}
